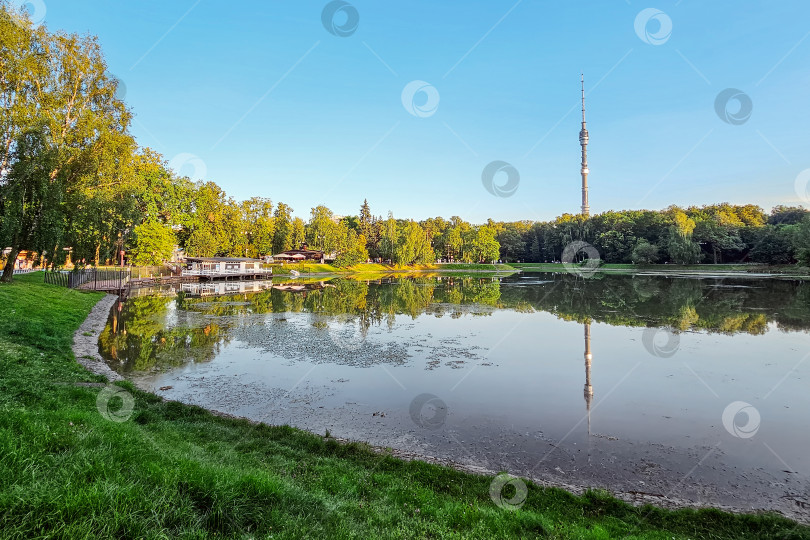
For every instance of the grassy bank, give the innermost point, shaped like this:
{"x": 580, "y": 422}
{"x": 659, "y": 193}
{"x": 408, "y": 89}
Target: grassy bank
{"x": 374, "y": 268}
{"x": 171, "y": 470}
{"x": 785, "y": 269}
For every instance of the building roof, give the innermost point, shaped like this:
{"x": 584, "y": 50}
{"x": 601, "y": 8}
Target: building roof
{"x": 304, "y": 252}
{"x": 223, "y": 259}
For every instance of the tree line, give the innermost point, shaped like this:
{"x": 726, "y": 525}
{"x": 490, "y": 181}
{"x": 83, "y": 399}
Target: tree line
{"x": 718, "y": 233}
{"x": 74, "y": 182}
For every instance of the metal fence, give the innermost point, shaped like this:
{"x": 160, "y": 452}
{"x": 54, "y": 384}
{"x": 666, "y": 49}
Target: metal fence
{"x": 91, "y": 278}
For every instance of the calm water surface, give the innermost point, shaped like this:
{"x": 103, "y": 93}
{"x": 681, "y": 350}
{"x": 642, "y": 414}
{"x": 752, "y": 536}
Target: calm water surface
{"x": 658, "y": 388}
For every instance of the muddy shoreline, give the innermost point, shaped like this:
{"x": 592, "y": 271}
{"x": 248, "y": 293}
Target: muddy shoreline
{"x": 636, "y": 472}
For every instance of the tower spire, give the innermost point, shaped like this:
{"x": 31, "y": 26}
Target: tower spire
{"x": 582, "y": 80}
{"x": 583, "y": 142}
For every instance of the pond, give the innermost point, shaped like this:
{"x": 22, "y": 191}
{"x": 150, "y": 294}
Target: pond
{"x": 665, "y": 389}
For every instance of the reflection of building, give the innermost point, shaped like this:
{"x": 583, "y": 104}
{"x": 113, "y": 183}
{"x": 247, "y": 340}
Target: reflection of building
{"x": 301, "y": 287}
{"x": 224, "y": 287}
{"x": 588, "y": 388}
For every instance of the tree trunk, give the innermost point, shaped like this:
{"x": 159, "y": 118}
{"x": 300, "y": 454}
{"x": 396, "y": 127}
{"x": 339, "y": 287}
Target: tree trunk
{"x": 8, "y": 270}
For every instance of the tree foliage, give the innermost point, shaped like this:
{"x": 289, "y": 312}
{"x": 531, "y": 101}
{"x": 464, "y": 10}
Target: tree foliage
{"x": 154, "y": 244}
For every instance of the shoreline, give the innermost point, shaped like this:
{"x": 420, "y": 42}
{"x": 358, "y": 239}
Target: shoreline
{"x": 635, "y": 498}
{"x": 96, "y": 321}
{"x": 85, "y": 340}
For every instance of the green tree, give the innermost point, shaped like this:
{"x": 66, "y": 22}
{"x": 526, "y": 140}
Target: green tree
{"x": 57, "y": 84}
{"x": 512, "y": 245}
{"x": 773, "y": 245}
{"x": 283, "y": 233}
{"x": 365, "y": 219}
{"x": 412, "y": 245}
{"x": 389, "y": 235}
{"x": 484, "y": 248}
{"x": 298, "y": 232}
{"x": 644, "y": 252}
{"x": 801, "y": 241}
{"x": 787, "y": 215}
{"x": 354, "y": 251}
{"x": 680, "y": 246}
{"x": 216, "y": 228}
{"x": 259, "y": 225}
{"x": 453, "y": 242}
{"x": 718, "y": 237}
{"x": 30, "y": 200}
{"x": 322, "y": 232}
{"x": 154, "y": 243}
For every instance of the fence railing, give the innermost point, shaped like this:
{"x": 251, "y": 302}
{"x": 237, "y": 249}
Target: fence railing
{"x": 90, "y": 278}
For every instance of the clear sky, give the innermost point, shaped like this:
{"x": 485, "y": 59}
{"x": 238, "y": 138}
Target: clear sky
{"x": 272, "y": 103}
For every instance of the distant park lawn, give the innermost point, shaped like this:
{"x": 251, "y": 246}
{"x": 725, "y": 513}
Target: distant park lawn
{"x": 175, "y": 471}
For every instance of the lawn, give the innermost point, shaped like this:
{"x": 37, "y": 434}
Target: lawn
{"x": 174, "y": 471}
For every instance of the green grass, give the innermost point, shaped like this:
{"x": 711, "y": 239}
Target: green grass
{"x": 175, "y": 471}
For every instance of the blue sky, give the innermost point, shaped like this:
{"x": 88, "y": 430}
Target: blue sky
{"x": 273, "y": 104}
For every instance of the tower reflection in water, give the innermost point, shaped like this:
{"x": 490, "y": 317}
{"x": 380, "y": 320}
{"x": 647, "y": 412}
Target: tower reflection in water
{"x": 588, "y": 388}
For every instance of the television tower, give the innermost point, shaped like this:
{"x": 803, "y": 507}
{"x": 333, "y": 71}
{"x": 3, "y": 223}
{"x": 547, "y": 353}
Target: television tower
{"x": 583, "y": 142}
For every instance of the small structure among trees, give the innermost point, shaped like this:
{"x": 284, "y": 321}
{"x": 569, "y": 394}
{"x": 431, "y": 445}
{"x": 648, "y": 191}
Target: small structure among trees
{"x": 300, "y": 255}
{"x": 214, "y": 267}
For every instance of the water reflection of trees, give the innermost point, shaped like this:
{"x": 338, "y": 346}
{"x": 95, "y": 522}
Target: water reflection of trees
{"x": 717, "y": 305}
{"x": 138, "y": 337}
{"x": 378, "y": 299}
{"x": 164, "y": 331}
